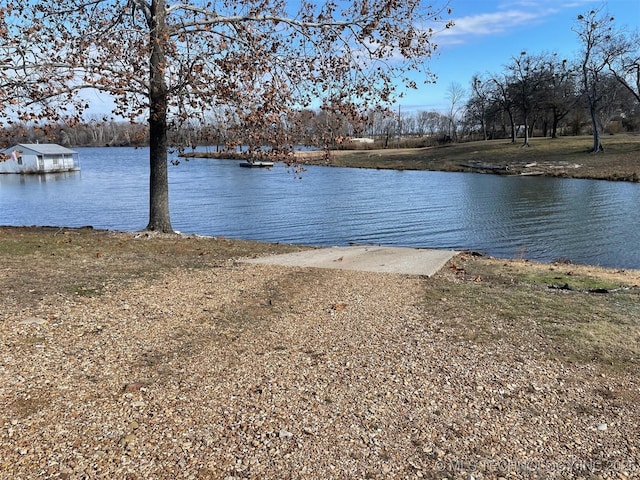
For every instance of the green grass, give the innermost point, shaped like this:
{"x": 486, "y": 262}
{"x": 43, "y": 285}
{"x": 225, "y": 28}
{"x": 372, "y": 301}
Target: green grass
{"x": 571, "y": 281}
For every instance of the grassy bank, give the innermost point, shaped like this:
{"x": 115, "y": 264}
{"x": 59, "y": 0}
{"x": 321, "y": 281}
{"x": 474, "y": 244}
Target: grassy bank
{"x": 576, "y": 314}
{"x": 570, "y": 312}
{"x": 561, "y": 157}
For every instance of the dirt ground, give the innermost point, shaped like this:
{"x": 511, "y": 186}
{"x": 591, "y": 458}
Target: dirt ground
{"x": 38, "y": 262}
{"x": 130, "y": 355}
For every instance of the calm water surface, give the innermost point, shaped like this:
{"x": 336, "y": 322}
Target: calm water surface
{"x": 586, "y": 221}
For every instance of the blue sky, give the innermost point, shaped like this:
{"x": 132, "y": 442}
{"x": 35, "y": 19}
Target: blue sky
{"x": 489, "y": 32}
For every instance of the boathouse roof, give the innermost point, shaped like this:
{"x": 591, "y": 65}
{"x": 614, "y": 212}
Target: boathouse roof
{"x": 46, "y": 148}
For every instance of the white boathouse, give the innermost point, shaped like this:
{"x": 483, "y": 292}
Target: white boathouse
{"x": 38, "y": 158}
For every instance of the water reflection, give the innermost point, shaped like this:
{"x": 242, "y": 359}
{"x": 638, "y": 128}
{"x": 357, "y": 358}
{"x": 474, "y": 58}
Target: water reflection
{"x": 36, "y": 178}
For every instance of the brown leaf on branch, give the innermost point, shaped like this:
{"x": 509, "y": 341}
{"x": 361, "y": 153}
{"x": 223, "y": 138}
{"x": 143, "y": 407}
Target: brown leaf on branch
{"x": 246, "y": 73}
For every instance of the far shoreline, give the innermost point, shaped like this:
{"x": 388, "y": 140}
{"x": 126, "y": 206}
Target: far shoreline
{"x": 564, "y": 157}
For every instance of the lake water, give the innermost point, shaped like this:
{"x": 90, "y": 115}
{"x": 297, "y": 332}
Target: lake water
{"x": 585, "y": 221}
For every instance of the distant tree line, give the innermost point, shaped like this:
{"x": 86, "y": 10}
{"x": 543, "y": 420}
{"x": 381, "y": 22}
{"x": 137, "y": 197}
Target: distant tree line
{"x": 95, "y": 132}
{"x": 543, "y": 94}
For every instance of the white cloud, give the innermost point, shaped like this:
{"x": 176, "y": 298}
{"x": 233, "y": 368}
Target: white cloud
{"x": 505, "y": 19}
{"x": 492, "y": 23}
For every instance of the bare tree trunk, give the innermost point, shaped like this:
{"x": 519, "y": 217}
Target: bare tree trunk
{"x": 159, "y": 219}
{"x": 554, "y": 126}
{"x": 513, "y": 127}
{"x": 597, "y": 144}
{"x": 453, "y": 130}
{"x": 526, "y": 130}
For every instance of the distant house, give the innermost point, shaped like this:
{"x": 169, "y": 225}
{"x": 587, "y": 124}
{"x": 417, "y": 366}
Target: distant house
{"x": 38, "y": 158}
{"x": 361, "y": 140}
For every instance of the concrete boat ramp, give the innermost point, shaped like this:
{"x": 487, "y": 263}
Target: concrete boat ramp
{"x": 409, "y": 261}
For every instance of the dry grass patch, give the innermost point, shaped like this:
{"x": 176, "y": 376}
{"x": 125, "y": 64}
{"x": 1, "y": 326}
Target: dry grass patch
{"x": 567, "y": 312}
{"x": 565, "y": 157}
{"x": 84, "y": 262}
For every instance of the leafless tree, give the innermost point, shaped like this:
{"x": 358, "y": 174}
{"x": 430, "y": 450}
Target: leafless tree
{"x": 479, "y": 103}
{"x": 505, "y": 99}
{"x": 529, "y": 79}
{"x": 455, "y": 94}
{"x": 596, "y": 31}
{"x": 624, "y": 62}
{"x": 560, "y": 94}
